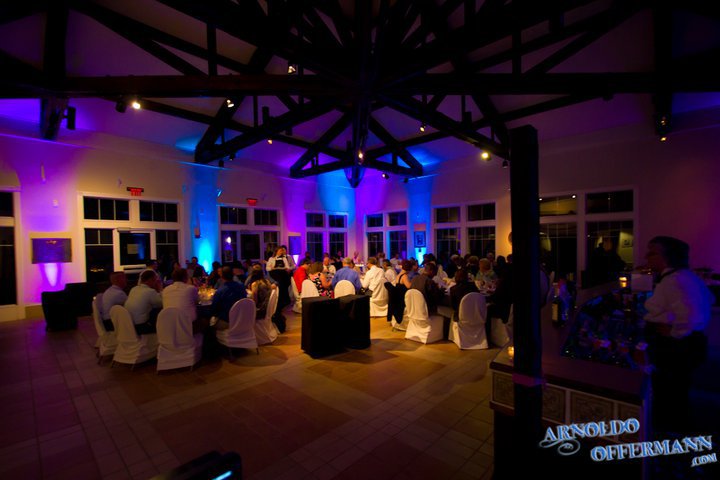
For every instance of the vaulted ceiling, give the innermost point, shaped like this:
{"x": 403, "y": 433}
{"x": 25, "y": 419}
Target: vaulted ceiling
{"x": 351, "y": 85}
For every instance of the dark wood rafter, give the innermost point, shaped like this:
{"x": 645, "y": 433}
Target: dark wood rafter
{"x": 662, "y": 98}
{"x": 414, "y": 167}
{"x": 53, "y": 107}
{"x": 330, "y": 134}
{"x": 11, "y": 11}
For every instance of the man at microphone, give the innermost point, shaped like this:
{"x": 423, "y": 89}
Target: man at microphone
{"x": 279, "y": 268}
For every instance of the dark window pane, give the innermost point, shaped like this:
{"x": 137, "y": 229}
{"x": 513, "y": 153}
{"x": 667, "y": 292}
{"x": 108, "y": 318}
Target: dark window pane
{"x": 224, "y": 215}
{"x": 398, "y": 243}
{"x": 265, "y": 217}
{"x": 158, "y": 212}
{"x": 447, "y": 215}
{"x": 134, "y": 248}
{"x": 337, "y": 221}
{"x": 606, "y": 241}
{"x": 397, "y": 218}
{"x": 315, "y": 245}
{"x": 90, "y": 206}
{"x": 8, "y": 293}
{"x": 6, "y": 204}
{"x": 337, "y": 242}
{"x": 91, "y": 236}
{"x": 122, "y": 210}
{"x": 160, "y": 236}
{"x": 107, "y": 209}
{"x": 375, "y": 243}
{"x": 146, "y": 213}
{"x": 604, "y": 202}
{"x": 98, "y": 263}
{"x": 375, "y": 220}
{"x": 7, "y": 236}
{"x": 446, "y": 241}
{"x": 171, "y": 214}
{"x": 481, "y": 240}
{"x": 314, "y": 220}
{"x": 106, "y": 236}
{"x": 172, "y": 236}
{"x": 242, "y": 216}
{"x": 563, "y": 205}
{"x": 477, "y": 213}
{"x": 558, "y": 249}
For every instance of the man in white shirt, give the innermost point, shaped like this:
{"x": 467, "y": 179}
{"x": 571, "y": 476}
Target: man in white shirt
{"x": 375, "y": 276}
{"x": 115, "y": 295}
{"x": 390, "y": 275}
{"x": 678, "y": 313}
{"x": 144, "y": 302}
{"x": 181, "y": 295}
{"x": 328, "y": 268}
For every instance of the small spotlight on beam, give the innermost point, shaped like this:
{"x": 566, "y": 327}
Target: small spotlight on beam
{"x": 385, "y": 176}
{"x": 269, "y": 141}
{"x": 360, "y": 154}
{"x": 484, "y": 155}
{"x": 422, "y": 127}
{"x": 663, "y": 138}
{"x": 292, "y": 69}
{"x": 229, "y": 103}
{"x": 136, "y": 105}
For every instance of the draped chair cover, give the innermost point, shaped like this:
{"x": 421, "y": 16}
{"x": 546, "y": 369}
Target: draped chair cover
{"x": 241, "y": 330}
{"x": 107, "y": 341}
{"x": 344, "y": 287}
{"x": 396, "y": 305}
{"x": 265, "y": 330}
{"x": 132, "y": 348}
{"x": 379, "y": 298}
{"x": 309, "y": 289}
{"x": 468, "y": 332}
{"x": 421, "y": 327}
{"x": 297, "y": 306}
{"x": 178, "y": 347}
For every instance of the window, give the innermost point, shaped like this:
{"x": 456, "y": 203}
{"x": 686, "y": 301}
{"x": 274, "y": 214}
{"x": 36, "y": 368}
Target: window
{"x": 228, "y": 248}
{"x": 337, "y": 242}
{"x": 605, "y": 202}
{"x": 315, "y": 220}
{"x": 271, "y": 243}
{"x": 485, "y": 211}
{"x": 447, "y": 241}
{"x": 233, "y": 216}
{"x": 562, "y": 205}
{"x": 337, "y": 221}
{"x": 375, "y": 220}
{"x": 99, "y": 257}
{"x": 398, "y": 243}
{"x": 375, "y": 243}
{"x": 105, "y": 209}
{"x": 481, "y": 240}
{"x": 447, "y": 215}
{"x": 265, "y": 217}
{"x": 397, "y": 218}
{"x": 558, "y": 249}
{"x": 158, "y": 212}
{"x": 8, "y": 293}
{"x": 315, "y": 245}
{"x": 6, "y": 204}
{"x": 604, "y": 239}
{"x": 134, "y": 248}
{"x": 166, "y": 245}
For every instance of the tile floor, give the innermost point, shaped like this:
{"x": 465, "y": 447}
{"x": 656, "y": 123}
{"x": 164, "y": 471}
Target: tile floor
{"x": 397, "y": 410}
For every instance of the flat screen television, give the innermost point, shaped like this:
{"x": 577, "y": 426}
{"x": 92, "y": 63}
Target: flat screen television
{"x": 51, "y": 250}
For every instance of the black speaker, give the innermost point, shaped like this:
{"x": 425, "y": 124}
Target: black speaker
{"x": 58, "y": 311}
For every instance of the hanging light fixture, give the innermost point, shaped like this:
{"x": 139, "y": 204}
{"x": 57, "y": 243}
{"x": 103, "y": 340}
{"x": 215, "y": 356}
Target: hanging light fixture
{"x": 136, "y": 105}
{"x": 422, "y": 127}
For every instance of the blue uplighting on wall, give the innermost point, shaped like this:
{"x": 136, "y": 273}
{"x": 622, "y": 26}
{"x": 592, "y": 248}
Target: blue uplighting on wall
{"x": 203, "y": 216}
{"x": 424, "y": 157}
{"x": 187, "y": 144}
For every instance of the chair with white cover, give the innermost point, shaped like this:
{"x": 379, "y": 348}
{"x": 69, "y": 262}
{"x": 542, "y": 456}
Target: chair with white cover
{"x": 178, "y": 347}
{"x": 421, "y": 327}
{"x": 309, "y": 289}
{"x": 468, "y": 332}
{"x": 501, "y": 332}
{"x": 344, "y": 287}
{"x": 241, "y": 330}
{"x": 265, "y": 330}
{"x": 297, "y": 305}
{"x": 379, "y": 298}
{"x": 107, "y": 341}
{"x": 132, "y": 348}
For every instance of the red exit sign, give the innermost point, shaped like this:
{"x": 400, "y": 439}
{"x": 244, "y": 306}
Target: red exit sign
{"x": 135, "y": 191}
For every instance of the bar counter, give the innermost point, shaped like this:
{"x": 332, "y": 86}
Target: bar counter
{"x": 576, "y": 391}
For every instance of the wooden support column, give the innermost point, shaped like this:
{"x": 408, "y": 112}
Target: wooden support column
{"x": 527, "y": 427}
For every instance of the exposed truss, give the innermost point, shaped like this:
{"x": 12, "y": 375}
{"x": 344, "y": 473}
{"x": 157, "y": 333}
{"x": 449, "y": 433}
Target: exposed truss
{"x": 357, "y": 57}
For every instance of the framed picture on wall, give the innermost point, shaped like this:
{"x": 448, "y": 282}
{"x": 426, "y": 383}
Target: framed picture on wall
{"x": 420, "y": 239}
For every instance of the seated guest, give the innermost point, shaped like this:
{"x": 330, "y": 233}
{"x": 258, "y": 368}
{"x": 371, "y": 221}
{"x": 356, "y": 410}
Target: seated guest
{"x": 374, "y": 277}
{"x": 301, "y": 273}
{"x": 214, "y": 276}
{"x": 328, "y": 268}
{"x": 181, "y": 295}
{"x": 473, "y": 266}
{"x": 430, "y": 290}
{"x": 194, "y": 269}
{"x": 115, "y": 295}
{"x": 389, "y": 272}
{"x": 144, "y": 302}
{"x": 316, "y": 275}
{"x": 403, "y": 277}
{"x": 485, "y": 275}
{"x": 396, "y": 261}
{"x": 462, "y": 287}
{"x": 347, "y": 272}
{"x": 260, "y": 289}
{"x": 151, "y": 264}
{"x": 239, "y": 274}
{"x": 225, "y": 297}
{"x": 357, "y": 259}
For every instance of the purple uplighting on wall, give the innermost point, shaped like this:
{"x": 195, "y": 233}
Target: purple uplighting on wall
{"x": 24, "y": 110}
